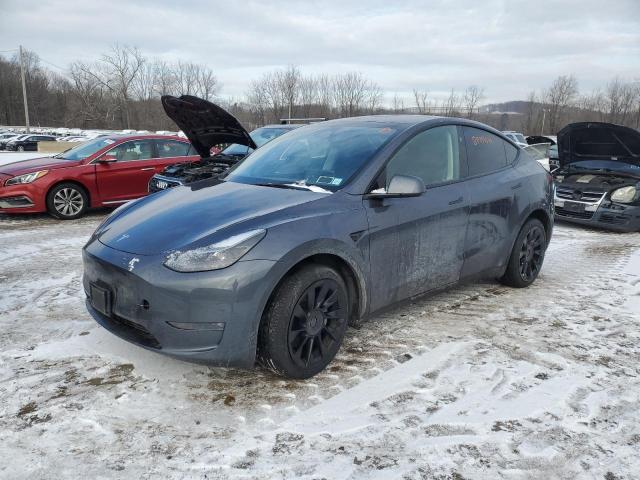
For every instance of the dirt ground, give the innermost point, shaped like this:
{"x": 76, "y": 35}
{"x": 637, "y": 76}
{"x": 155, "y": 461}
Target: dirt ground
{"x": 481, "y": 381}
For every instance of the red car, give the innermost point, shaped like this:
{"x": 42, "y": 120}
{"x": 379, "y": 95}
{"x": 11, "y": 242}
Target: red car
{"x": 106, "y": 171}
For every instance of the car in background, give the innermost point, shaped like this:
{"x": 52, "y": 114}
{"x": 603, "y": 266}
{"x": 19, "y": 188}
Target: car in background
{"x": 315, "y": 230}
{"x": 534, "y": 139}
{"x": 14, "y": 136}
{"x": 7, "y": 135}
{"x": 28, "y": 143}
{"x": 598, "y": 179}
{"x": 106, "y": 171}
{"x": 197, "y": 118}
{"x": 516, "y": 137}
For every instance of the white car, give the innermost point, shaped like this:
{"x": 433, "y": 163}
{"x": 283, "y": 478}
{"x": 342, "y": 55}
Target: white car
{"x": 517, "y": 137}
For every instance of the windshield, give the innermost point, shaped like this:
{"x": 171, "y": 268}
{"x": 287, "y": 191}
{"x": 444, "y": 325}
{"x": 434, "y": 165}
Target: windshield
{"x": 324, "y": 155}
{"x": 260, "y": 136}
{"x": 85, "y": 150}
{"x": 519, "y": 138}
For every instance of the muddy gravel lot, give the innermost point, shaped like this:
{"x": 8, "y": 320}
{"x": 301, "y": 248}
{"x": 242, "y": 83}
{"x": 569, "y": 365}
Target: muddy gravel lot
{"x": 481, "y": 381}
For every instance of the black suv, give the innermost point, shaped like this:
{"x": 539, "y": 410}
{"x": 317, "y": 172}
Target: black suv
{"x": 28, "y": 143}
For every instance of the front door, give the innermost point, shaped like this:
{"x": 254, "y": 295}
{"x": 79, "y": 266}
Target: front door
{"x": 127, "y": 175}
{"x": 416, "y": 244}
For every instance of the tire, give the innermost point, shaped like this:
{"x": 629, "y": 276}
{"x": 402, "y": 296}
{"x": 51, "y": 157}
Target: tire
{"x": 527, "y": 256}
{"x": 304, "y": 324}
{"x": 20, "y": 148}
{"x": 67, "y": 201}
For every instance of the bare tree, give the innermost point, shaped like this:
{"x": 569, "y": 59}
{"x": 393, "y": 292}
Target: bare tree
{"x": 473, "y": 95}
{"x": 289, "y": 84}
{"x": 452, "y": 105}
{"x": 308, "y": 94}
{"x": 558, "y": 97}
{"x": 355, "y": 93}
{"x": 422, "y": 104}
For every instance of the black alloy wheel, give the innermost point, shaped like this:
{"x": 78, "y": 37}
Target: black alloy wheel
{"x": 527, "y": 255}
{"x": 303, "y": 326}
{"x": 315, "y": 323}
{"x": 531, "y": 254}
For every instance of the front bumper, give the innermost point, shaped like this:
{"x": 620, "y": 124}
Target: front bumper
{"x": 603, "y": 214}
{"x": 160, "y": 182}
{"x": 24, "y": 198}
{"x": 207, "y": 317}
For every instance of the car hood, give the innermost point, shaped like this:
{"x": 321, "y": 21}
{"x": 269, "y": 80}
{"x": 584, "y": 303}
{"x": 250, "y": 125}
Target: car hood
{"x": 204, "y": 123}
{"x": 599, "y": 142}
{"x": 191, "y": 216}
{"x": 45, "y": 163}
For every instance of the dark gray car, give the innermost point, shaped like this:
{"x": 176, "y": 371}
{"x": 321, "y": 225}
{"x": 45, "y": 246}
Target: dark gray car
{"x": 318, "y": 229}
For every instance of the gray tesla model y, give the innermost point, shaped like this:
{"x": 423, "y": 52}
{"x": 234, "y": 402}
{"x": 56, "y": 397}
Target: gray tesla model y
{"x": 315, "y": 230}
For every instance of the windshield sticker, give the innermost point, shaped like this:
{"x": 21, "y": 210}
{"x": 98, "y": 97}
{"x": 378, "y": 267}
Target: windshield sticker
{"x": 108, "y": 141}
{"x": 326, "y": 180}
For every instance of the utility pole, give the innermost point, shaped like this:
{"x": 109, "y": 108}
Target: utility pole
{"x": 24, "y": 91}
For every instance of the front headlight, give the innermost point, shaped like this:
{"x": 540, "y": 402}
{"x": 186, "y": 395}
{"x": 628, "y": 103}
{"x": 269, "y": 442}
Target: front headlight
{"x": 215, "y": 256}
{"x": 26, "y": 178}
{"x": 624, "y": 195}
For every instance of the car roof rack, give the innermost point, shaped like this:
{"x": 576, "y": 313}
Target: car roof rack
{"x": 287, "y": 121}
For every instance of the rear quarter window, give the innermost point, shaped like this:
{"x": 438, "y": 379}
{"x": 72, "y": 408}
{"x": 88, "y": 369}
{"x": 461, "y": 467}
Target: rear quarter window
{"x": 485, "y": 151}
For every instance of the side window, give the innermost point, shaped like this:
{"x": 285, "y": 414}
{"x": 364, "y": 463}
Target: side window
{"x": 485, "y": 151}
{"x": 172, "y": 148}
{"x": 192, "y": 151}
{"x": 133, "y": 150}
{"x": 432, "y": 155}
{"x": 511, "y": 152}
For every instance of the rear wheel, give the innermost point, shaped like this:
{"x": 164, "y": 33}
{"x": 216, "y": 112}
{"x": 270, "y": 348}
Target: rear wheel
{"x": 527, "y": 255}
{"x": 305, "y": 323}
{"x": 21, "y": 148}
{"x": 67, "y": 201}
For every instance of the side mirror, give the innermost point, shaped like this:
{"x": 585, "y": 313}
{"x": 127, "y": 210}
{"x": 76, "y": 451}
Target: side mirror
{"x": 107, "y": 159}
{"x": 401, "y": 186}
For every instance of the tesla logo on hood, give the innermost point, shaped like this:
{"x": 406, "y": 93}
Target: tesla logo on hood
{"x": 132, "y": 263}
{"x": 123, "y": 237}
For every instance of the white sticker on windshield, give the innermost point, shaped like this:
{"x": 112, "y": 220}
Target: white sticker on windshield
{"x": 108, "y": 141}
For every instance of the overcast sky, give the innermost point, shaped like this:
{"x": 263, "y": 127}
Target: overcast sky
{"x": 507, "y": 47}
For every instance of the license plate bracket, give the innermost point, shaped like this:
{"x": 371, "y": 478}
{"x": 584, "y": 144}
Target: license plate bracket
{"x": 574, "y": 206}
{"x": 100, "y": 299}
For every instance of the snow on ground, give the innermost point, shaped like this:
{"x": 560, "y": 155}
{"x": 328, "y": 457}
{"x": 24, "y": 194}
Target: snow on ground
{"x": 11, "y": 157}
{"x": 480, "y": 382}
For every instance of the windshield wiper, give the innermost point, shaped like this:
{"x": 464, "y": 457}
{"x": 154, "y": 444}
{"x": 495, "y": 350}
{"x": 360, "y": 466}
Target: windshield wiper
{"x": 281, "y": 185}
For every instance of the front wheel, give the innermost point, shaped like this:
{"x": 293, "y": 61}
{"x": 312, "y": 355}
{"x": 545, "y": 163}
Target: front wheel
{"x": 305, "y": 322}
{"x": 67, "y": 201}
{"x": 21, "y": 148}
{"x": 527, "y": 255}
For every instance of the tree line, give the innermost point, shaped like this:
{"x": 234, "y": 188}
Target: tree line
{"x": 121, "y": 89}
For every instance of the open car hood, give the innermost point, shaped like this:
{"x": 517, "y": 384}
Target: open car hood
{"x": 204, "y": 123}
{"x": 599, "y": 142}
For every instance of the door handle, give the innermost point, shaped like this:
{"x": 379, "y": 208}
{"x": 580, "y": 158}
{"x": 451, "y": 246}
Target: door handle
{"x": 516, "y": 186}
{"x": 457, "y": 200}
{"x": 147, "y": 168}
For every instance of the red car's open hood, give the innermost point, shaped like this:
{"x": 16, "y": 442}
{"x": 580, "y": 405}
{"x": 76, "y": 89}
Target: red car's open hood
{"x": 45, "y": 163}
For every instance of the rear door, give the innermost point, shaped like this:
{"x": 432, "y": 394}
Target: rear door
{"x": 495, "y": 190}
{"x": 127, "y": 177}
{"x": 417, "y": 243}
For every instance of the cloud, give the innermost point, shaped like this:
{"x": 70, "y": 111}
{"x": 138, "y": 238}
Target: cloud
{"x": 507, "y": 47}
